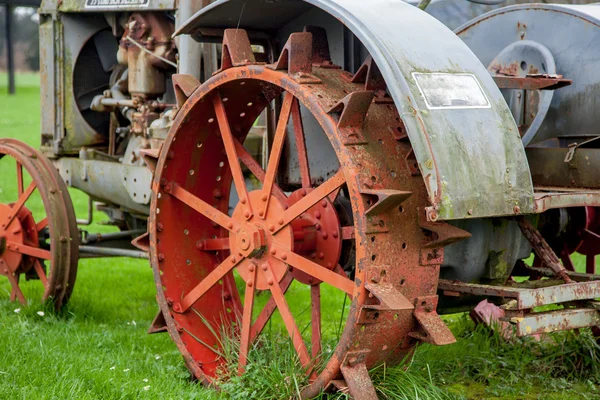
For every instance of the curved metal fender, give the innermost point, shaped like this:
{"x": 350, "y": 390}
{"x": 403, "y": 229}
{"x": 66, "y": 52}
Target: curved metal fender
{"x": 465, "y": 139}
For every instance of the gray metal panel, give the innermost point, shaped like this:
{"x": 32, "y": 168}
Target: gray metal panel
{"x": 572, "y": 34}
{"x": 472, "y": 160}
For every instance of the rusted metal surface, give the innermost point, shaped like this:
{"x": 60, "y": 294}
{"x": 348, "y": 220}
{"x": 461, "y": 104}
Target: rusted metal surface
{"x": 543, "y": 250}
{"x": 552, "y": 321}
{"x": 549, "y": 200}
{"x": 272, "y": 238}
{"x": 440, "y": 136}
{"x": 24, "y": 245}
{"x": 528, "y": 298}
{"x": 544, "y": 25}
{"x": 532, "y": 82}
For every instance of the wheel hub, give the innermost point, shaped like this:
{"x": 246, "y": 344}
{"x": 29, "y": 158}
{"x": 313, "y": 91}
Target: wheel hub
{"x": 12, "y": 235}
{"x": 317, "y": 235}
{"x": 254, "y": 239}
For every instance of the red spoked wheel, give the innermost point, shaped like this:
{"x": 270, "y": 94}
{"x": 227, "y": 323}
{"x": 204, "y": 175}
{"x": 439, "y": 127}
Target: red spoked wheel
{"x": 209, "y": 265}
{"x": 38, "y": 229}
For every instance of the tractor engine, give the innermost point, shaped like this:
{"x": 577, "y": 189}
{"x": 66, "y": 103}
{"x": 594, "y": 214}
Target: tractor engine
{"x": 107, "y": 98}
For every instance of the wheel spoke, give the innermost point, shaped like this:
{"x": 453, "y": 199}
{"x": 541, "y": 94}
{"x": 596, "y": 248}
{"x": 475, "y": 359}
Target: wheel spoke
{"x": 214, "y": 244}
{"x": 40, "y": 226}
{"x": 590, "y": 264}
{"x": 232, "y": 157}
{"x": 16, "y": 290}
{"x": 28, "y": 250}
{"x": 257, "y": 170}
{"x": 269, "y": 309}
{"x": 20, "y": 185}
{"x": 288, "y": 319}
{"x": 204, "y": 286}
{"x": 314, "y": 269}
{"x": 340, "y": 271}
{"x": 301, "y": 145}
{"x": 245, "y": 339}
{"x": 311, "y": 199}
{"x": 202, "y": 207}
{"x": 16, "y": 207}
{"x": 276, "y": 149}
{"x": 315, "y": 308}
{"x": 40, "y": 271}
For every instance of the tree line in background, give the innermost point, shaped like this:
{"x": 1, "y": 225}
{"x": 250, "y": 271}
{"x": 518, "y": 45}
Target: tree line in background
{"x": 25, "y": 39}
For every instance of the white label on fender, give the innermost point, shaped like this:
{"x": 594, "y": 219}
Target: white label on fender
{"x": 446, "y": 90}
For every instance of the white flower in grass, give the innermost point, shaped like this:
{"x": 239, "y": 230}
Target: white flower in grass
{"x": 40, "y": 313}
{"x": 147, "y": 387}
{"x": 126, "y": 370}
{"x": 157, "y": 357}
{"x": 145, "y": 379}
{"x": 133, "y": 322}
{"x": 112, "y": 368}
{"x": 17, "y": 310}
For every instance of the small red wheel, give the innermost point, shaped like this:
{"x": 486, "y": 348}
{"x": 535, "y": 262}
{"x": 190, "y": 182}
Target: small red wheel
{"x": 38, "y": 230}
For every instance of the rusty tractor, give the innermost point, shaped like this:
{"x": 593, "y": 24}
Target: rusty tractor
{"x": 333, "y": 149}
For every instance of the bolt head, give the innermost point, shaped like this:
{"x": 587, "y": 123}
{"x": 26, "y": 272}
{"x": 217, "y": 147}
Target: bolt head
{"x": 247, "y": 214}
{"x": 318, "y": 215}
{"x": 272, "y": 228}
{"x": 265, "y": 267}
{"x": 177, "y": 307}
{"x": 270, "y": 281}
{"x": 517, "y": 210}
{"x": 264, "y": 197}
{"x": 284, "y": 256}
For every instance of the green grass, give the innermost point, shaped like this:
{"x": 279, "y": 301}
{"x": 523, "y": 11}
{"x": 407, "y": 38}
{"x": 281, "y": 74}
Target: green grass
{"x": 98, "y": 346}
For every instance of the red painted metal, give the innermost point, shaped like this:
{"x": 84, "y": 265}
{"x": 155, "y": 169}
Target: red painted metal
{"x": 22, "y": 250}
{"x": 275, "y": 238}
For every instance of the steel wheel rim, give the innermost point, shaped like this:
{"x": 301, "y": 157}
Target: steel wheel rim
{"x": 59, "y": 277}
{"x": 360, "y": 295}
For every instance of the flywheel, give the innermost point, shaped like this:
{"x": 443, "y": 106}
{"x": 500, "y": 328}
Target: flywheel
{"x": 284, "y": 239}
{"x": 38, "y": 230}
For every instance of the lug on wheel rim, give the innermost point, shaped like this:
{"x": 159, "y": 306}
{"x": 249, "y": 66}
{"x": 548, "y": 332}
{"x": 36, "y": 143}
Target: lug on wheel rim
{"x": 46, "y": 248}
{"x": 276, "y": 235}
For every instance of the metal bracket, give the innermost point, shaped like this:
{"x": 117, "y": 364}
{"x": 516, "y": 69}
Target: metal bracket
{"x": 352, "y": 111}
{"x": 158, "y": 325}
{"x": 142, "y": 242}
{"x": 296, "y": 58}
{"x": 237, "y": 50}
{"x": 436, "y": 331}
{"x": 184, "y": 85}
{"x": 386, "y": 199}
{"x": 357, "y": 377}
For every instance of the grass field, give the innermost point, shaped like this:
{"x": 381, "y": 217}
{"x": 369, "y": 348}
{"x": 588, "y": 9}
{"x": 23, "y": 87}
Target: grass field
{"x": 98, "y": 347}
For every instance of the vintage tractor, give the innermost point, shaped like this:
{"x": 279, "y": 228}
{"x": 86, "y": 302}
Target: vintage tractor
{"x": 339, "y": 151}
